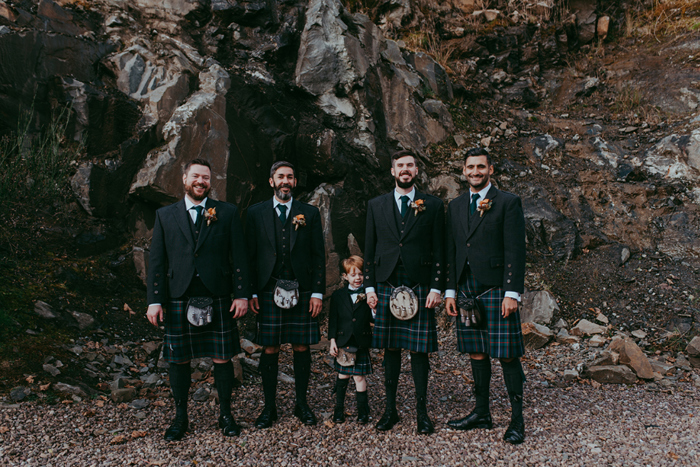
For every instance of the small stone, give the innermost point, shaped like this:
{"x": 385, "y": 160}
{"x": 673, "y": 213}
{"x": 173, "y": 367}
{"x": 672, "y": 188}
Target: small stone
{"x": 139, "y": 404}
{"x": 249, "y": 347}
{"x": 561, "y": 324}
{"x": 538, "y": 307}
{"x": 68, "y": 389}
{"x": 201, "y": 395}
{"x": 587, "y": 328}
{"x": 662, "y": 368}
{"x": 606, "y": 358}
{"x": 50, "y": 369}
{"x": 150, "y": 347}
{"x": 563, "y": 337}
{"x": 150, "y": 380}
{"x": 44, "y": 310}
{"x": 693, "y": 348}
{"x": 639, "y": 334}
{"x": 83, "y": 319}
{"x": 123, "y": 395}
{"x": 77, "y": 350}
{"x": 596, "y": 341}
{"x": 285, "y": 378}
{"x": 19, "y": 393}
{"x": 618, "y": 374}
{"x": 601, "y": 318}
{"x": 682, "y": 362}
{"x": 625, "y": 255}
{"x": 628, "y": 129}
{"x": 535, "y": 336}
{"x": 570, "y": 375}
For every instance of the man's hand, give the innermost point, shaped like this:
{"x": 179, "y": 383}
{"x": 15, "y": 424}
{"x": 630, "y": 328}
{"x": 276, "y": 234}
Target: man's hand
{"x": 333, "y": 350}
{"x": 315, "y": 306}
{"x": 433, "y": 300}
{"x": 155, "y": 314}
{"x": 509, "y": 306}
{"x": 240, "y": 307}
{"x": 254, "y": 305}
{"x": 372, "y": 300}
{"x": 451, "y": 306}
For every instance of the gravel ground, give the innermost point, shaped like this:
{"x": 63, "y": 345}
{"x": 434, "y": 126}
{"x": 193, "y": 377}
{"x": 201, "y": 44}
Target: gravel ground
{"x": 568, "y": 423}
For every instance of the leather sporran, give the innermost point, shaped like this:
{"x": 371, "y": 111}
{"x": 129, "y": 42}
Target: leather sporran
{"x": 199, "y": 310}
{"x": 346, "y": 356}
{"x": 471, "y": 310}
{"x": 403, "y": 303}
{"x": 286, "y": 294}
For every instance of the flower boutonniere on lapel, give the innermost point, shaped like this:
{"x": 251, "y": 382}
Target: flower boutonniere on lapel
{"x": 210, "y": 215}
{"x": 484, "y": 205}
{"x": 360, "y": 297}
{"x": 299, "y": 221}
{"x": 417, "y": 206}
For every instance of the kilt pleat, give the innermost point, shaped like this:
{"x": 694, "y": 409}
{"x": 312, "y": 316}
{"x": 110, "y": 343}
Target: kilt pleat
{"x": 183, "y": 342}
{"x": 501, "y": 337}
{"x": 418, "y": 334}
{"x": 278, "y": 326}
{"x": 362, "y": 366}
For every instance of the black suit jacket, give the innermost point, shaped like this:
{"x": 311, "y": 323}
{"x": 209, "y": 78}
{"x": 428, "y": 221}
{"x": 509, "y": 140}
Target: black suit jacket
{"x": 492, "y": 244}
{"x": 347, "y": 319}
{"x": 419, "y": 245}
{"x": 219, "y": 255}
{"x": 308, "y": 253}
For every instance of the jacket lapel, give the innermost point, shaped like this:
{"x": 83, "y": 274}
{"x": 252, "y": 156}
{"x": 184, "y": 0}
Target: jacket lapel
{"x": 205, "y": 228}
{"x": 412, "y": 217}
{"x": 182, "y": 217}
{"x": 464, "y": 220}
{"x": 387, "y": 213}
{"x": 268, "y": 222}
{"x": 292, "y": 213}
{"x": 476, "y": 218}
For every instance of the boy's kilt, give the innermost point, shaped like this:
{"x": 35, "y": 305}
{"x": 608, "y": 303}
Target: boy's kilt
{"x": 278, "y": 326}
{"x": 183, "y": 342}
{"x": 418, "y": 334}
{"x": 362, "y": 366}
{"x": 500, "y": 337}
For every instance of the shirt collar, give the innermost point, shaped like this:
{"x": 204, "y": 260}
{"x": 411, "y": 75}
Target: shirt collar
{"x": 482, "y": 193}
{"x": 276, "y": 202}
{"x": 189, "y": 204}
{"x": 410, "y": 195}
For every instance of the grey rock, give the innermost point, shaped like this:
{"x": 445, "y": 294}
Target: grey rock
{"x": 52, "y": 370}
{"x": 84, "y": 320}
{"x": 662, "y": 367}
{"x": 139, "y": 404}
{"x": 284, "y": 378}
{"x": 535, "y": 335}
{"x": 625, "y": 255}
{"x": 201, "y": 395}
{"x": 693, "y": 348}
{"x": 561, "y": 324}
{"x": 202, "y": 364}
{"x": 78, "y": 350}
{"x": 570, "y": 375}
{"x": 538, "y": 307}
{"x": 563, "y": 337}
{"x": 596, "y": 341}
{"x": 69, "y": 389}
{"x": 123, "y": 395}
{"x": 639, "y": 334}
{"x": 150, "y": 347}
{"x": 19, "y": 393}
{"x": 122, "y": 360}
{"x": 150, "y": 380}
{"x": 606, "y": 358}
{"x": 682, "y": 362}
{"x": 587, "y": 328}
{"x": 601, "y": 318}
{"x": 44, "y": 310}
{"x": 618, "y": 374}
{"x": 140, "y": 258}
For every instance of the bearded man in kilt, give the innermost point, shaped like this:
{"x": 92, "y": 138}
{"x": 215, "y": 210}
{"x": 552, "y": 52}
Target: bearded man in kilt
{"x": 198, "y": 251}
{"x": 285, "y": 242}
{"x": 404, "y": 247}
{"x": 486, "y": 256}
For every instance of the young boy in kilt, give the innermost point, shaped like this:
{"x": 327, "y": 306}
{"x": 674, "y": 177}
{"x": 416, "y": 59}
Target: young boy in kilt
{"x": 404, "y": 247}
{"x": 349, "y": 327}
{"x": 198, "y": 250}
{"x": 285, "y": 241}
{"x": 486, "y": 256}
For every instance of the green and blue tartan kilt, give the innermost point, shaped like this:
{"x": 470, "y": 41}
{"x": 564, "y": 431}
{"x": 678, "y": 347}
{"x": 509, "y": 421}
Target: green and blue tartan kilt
{"x": 418, "y": 334}
{"x": 278, "y": 326}
{"x": 183, "y": 342}
{"x": 500, "y": 337}
{"x": 362, "y": 366}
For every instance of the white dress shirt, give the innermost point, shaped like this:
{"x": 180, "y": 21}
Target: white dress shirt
{"x": 189, "y": 204}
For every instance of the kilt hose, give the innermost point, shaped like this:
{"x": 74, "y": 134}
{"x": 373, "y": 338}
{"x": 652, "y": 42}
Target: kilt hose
{"x": 500, "y": 337}
{"x": 278, "y": 326}
{"x": 418, "y": 334}
{"x": 183, "y": 342}
{"x": 362, "y": 366}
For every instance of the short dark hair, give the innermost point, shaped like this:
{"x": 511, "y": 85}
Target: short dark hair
{"x": 279, "y": 164}
{"x": 478, "y": 152}
{"x": 196, "y": 162}
{"x": 403, "y": 153}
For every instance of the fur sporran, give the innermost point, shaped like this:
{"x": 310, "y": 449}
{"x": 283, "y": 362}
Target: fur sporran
{"x": 346, "y": 356}
{"x": 199, "y": 311}
{"x": 286, "y": 294}
{"x": 403, "y": 303}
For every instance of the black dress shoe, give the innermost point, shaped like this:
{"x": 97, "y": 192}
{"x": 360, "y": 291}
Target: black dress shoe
{"x": 388, "y": 420}
{"x": 515, "y": 434}
{"x": 228, "y": 425}
{"x": 303, "y": 412}
{"x": 424, "y": 425}
{"x": 362, "y": 415}
{"x": 339, "y": 415}
{"x": 177, "y": 429}
{"x": 266, "y": 418}
{"x": 472, "y": 421}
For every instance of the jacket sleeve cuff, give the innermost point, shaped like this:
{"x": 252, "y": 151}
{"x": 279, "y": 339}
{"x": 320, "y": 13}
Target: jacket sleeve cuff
{"x": 369, "y": 290}
{"x": 514, "y": 295}
{"x": 450, "y": 293}
{"x": 437, "y": 291}
{"x": 317, "y": 295}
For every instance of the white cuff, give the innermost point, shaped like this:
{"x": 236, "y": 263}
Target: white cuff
{"x": 317, "y": 295}
{"x": 436, "y": 291}
{"x": 255, "y": 295}
{"x": 514, "y": 295}
{"x": 369, "y": 290}
{"x": 450, "y": 293}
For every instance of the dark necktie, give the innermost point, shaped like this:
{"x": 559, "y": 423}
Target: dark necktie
{"x": 472, "y": 206}
{"x": 283, "y": 213}
{"x": 198, "y": 219}
{"x": 404, "y": 205}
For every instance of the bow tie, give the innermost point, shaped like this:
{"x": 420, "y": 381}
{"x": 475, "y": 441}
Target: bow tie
{"x": 360, "y": 290}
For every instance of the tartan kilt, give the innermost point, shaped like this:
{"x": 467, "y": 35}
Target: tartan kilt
{"x": 418, "y": 334}
{"x": 183, "y": 342}
{"x": 500, "y": 337}
{"x": 278, "y": 326}
{"x": 362, "y": 366}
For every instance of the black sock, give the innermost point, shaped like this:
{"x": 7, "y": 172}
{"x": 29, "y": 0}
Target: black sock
{"x": 223, "y": 378}
{"x": 514, "y": 377}
{"x": 302, "y": 373}
{"x": 180, "y": 386}
{"x": 361, "y": 398}
{"x": 420, "y": 367}
{"x": 341, "y": 389}
{"x": 392, "y": 371}
{"x": 481, "y": 370}
{"x": 268, "y": 368}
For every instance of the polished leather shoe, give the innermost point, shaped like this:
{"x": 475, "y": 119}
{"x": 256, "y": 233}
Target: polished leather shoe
{"x": 338, "y": 415}
{"x": 228, "y": 425}
{"x": 363, "y": 415}
{"x": 424, "y": 425}
{"x": 515, "y": 434}
{"x": 177, "y": 429}
{"x": 388, "y": 420}
{"x": 472, "y": 421}
{"x": 266, "y": 418}
{"x": 304, "y": 413}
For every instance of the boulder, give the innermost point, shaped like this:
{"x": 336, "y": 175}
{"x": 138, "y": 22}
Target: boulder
{"x": 535, "y": 335}
{"x": 538, "y": 307}
{"x": 632, "y": 356}
{"x": 44, "y": 310}
{"x": 64, "y": 388}
{"x": 606, "y": 358}
{"x": 19, "y": 393}
{"x": 609, "y": 374}
{"x": 587, "y": 328}
{"x": 84, "y": 320}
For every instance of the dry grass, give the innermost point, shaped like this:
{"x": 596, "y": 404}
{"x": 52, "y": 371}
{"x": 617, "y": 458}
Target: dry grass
{"x": 664, "y": 19}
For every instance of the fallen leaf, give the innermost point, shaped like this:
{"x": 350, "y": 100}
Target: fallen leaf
{"x": 596, "y": 384}
{"x": 123, "y": 406}
{"x": 30, "y": 379}
{"x": 328, "y": 423}
{"x": 120, "y": 439}
{"x": 89, "y": 413}
{"x": 44, "y": 387}
{"x": 128, "y": 308}
{"x": 440, "y": 372}
{"x": 138, "y": 434}
{"x": 456, "y": 372}
{"x": 467, "y": 380}
{"x": 4, "y": 429}
{"x": 100, "y": 403}
{"x": 67, "y": 402}
{"x": 159, "y": 403}
{"x": 673, "y": 456}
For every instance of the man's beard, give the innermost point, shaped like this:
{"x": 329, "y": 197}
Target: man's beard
{"x": 280, "y": 194}
{"x": 189, "y": 189}
{"x": 482, "y": 184}
{"x": 407, "y": 184}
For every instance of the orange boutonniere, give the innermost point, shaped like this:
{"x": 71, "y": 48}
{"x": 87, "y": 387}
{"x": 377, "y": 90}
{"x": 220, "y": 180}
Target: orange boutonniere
{"x": 484, "y": 205}
{"x": 299, "y": 221}
{"x": 210, "y": 215}
{"x": 417, "y": 206}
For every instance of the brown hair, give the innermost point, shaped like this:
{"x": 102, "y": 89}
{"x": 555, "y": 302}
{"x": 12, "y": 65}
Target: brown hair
{"x": 352, "y": 262}
{"x": 203, "y": 162}
{"x": 473, "y": 152}
{"x": 279, "y": 164}
{"x": 403, "y": 153}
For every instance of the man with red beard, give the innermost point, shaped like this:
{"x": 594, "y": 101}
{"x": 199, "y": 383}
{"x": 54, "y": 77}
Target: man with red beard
{"x": 404, "y": 247}
{"x": 288, "y": 279}
{"x": 198, "y": 284}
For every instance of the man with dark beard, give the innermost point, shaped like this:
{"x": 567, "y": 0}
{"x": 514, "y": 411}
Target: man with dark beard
{"x": 404, "y": 247}
{"x": 288, "y": 280}
{"x": 198, "y": 257}
{"x": 486, "y": 257}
